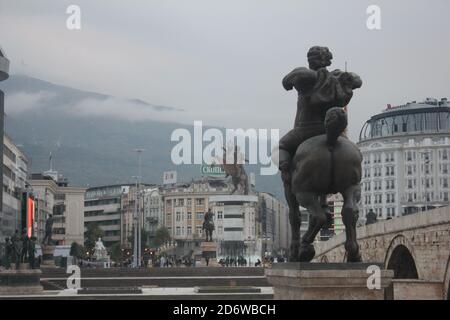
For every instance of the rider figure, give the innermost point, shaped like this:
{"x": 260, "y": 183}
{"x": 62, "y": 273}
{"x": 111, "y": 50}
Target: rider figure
{"x": 208, "y": 223}
{"x": 318, "y": 90}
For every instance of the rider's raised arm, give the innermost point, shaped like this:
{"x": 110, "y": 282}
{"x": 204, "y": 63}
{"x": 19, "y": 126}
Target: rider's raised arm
{"x": 299, "y": 78}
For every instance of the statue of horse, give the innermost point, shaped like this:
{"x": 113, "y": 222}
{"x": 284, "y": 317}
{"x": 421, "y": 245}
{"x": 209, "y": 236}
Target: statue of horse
{"x": 237, "y": 172}
{"x": 328, "y": 164}
{"x": 208, "y": 226}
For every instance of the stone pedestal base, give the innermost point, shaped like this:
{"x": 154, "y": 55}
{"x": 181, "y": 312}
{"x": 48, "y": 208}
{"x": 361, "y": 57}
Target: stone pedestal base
{"x": 327, "y": 281}
{"x": 18, "y": 282}
{"x": 48, "y": 260}
{"x": 209, "y": 249}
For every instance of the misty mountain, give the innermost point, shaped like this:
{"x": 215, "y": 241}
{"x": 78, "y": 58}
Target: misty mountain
{"x": 92, "y": 136}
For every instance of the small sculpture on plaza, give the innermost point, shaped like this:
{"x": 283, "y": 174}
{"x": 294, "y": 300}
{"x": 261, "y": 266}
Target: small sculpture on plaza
{"x": 8, "y": 256}
{"x": 16, "y": 246}
{"x": 48, "y": 230}
{"x": 25, "y": 244}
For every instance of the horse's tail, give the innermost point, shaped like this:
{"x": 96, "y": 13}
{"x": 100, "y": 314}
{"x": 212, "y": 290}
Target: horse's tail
{"x": 335, "y": 124}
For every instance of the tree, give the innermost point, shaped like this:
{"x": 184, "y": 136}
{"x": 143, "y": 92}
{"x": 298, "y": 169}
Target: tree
{"x": 92, "y": 234}
{"x": 162, "y": 235}
{"x": 76, "y": 251}
{"x": 116, "y": 252}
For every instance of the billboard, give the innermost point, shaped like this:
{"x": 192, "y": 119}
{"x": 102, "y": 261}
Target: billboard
{"x": 213, "y": 170}
{"x": 31, "y": 211}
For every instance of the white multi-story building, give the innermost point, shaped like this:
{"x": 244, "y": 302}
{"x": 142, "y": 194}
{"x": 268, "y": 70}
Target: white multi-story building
{"x": 235, "y": 219}
{"x": 15, "y": 167}
{"x": 66, "y": 203}
{"x": 406, "y": 159}
{"x": 103, "y": 206}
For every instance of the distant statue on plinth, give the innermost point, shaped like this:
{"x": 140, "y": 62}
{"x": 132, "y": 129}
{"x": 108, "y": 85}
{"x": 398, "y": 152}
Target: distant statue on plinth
{"x": 100, "y": 252}
{"x": 208, "y": 225}
{"x": 8, "y": 257}
{"x": 32, "y": 252}
{"x": 25, "y": 246}
{"x": 315, "y": 158}
{"x": 48, "y": 230}
{"x": 16, "y": 247}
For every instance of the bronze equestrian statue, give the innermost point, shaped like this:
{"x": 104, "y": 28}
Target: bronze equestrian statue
{"x": 208, "y": 225}
{"x": 236, "y": 170}
{"x": 319, "y": 90}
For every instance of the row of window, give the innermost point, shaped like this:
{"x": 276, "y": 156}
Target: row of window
{"x": 179, "y": 202}
{"x": 444, "y": 168}
{"x": 377, "y": 157}
{"x": 389, "y": 171}
{"x": 377, "y": 185}
{"x": 390, "y": 211}
{"x": 96, "y": 213}
{"x": 8, "y": 152}
{"x": 378, "y": 198}
{"x": 427, "y": 182}
{"x": 179, "y": 231}
{"x": 91, "y": 203}
{"x": 410, "y": 170}
{"x": 417, "y": 122}
{"x": 428, "y": 196}
{"x": 443, "y": 154}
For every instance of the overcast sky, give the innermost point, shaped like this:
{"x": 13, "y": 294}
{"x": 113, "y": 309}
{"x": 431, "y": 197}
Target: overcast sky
{"x": 223, "y": 61}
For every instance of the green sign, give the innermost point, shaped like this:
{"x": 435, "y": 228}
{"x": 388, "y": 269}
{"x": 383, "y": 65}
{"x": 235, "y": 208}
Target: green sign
{"x": 213, "y": 170}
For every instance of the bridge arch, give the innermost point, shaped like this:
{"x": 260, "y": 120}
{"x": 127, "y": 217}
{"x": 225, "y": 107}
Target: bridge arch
{"x": 401, "y": 258}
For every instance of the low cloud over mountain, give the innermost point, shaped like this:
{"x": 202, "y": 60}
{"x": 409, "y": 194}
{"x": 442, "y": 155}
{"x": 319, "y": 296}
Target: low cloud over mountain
{"x": 92, "y": 136}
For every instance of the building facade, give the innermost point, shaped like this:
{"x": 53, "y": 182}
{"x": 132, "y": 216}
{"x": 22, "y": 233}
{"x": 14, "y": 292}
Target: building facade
{"x": 103, "y": 206}
{"x": 15, "y": 170}
{"x": 53, "y": 194}
{"x": 235, "y": 220}
{"x": 406, "y": 159}
{"x": 113, "y": 208}
{"x": 153, "y": 210}
{"x": 274, "y": 222}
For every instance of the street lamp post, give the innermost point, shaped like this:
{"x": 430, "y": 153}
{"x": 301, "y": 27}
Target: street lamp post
{"x": 426, "y": 157}
{"x": 137, "y": 220}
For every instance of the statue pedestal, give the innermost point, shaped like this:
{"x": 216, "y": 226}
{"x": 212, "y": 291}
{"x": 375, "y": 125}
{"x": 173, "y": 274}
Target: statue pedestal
{"x": 20, "y": 282}
{"x": 209, "y": 249}
{"x": 48, "y": 260}
{"x": 327, "y": 281}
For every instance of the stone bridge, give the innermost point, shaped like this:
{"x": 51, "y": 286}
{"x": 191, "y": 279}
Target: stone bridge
{"x": 416, "y": 247}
